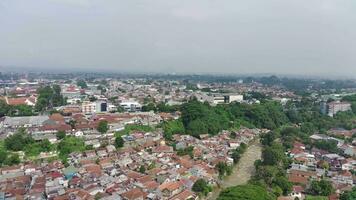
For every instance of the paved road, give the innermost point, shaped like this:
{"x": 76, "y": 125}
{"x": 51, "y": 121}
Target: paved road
{"x": 243, "y": 171}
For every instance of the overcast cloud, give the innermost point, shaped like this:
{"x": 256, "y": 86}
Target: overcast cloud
{"x": 313, "y": 37}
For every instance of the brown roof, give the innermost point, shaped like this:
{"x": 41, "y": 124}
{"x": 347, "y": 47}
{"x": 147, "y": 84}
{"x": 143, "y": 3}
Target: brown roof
{"x": 134, "y": 194}
{"x": 187, "y": 163}
{"x": 134, "y": 175}
{"x": 151, "y": 185}
{"x": 78, "y": 193}
{"x": 171, "y": 186}
{"x": 58, "y": 127}
{"x": 57, "y": 117}
{"x": 186, "y": 194}
{"x": 93, "y": 169}
{"x": 298, "y": 188}
{"x": 144, "y": 179}
{"x": 16, "y": 101}
{"x": 303, "y": 173}
{"x": 297, "y": 179}
{"x": 163, "y": 149}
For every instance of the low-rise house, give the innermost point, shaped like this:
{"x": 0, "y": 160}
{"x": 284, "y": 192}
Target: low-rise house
{"x": 185, "y": 195}
{"x": 344, "y": 177}
{"x": 134, "y": 194}
{"x": 170, "y": 189}
{"x": 350, "y": 150}
{"x": 297, "y": 192}
{"x": 301, "y": 177}
{"x": 90, "y": 154}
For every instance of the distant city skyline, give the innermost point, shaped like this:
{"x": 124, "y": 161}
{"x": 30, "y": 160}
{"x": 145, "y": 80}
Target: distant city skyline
{"x": 297, "y": 37}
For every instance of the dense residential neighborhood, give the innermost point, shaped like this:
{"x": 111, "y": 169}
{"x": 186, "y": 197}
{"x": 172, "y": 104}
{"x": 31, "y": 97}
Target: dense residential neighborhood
{"x": 177, "y": 100}
{"x": 136, "y": 138}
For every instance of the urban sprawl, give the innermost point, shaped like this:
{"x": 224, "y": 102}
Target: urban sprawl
{"x": 94, "y": 137}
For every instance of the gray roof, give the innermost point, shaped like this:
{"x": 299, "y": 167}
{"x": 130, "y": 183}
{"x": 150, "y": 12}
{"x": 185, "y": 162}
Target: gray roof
{"x": 21, "y": 121}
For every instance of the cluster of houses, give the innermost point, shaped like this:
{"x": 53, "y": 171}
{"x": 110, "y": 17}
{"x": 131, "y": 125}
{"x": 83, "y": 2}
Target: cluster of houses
{"x": 145, "y": 168}
{"x": 315, "y": 164}
{"x": 78, "y": 123}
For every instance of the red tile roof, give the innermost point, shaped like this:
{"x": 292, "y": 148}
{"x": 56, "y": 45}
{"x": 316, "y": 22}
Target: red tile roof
{"x": 134, "y": 194}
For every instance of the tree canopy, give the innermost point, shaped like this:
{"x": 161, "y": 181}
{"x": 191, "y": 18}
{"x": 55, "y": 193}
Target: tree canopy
{"x": 119, "y": 142}
{"x": 172, "y": 127}
{"x": 246, "y": 192}
{"x": 349, "y": 195}
{"x": 322, "y": 188}
{"x": 201, "y": 187}
{"x": 103, "y": 126}
{"x": 18, "y": 141}
{"x": 82, "y": 84}
{"x": 49, "y": 97}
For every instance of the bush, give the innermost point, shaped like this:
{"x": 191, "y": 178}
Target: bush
{"x": 246, "y": 192}
{"x": 201, "y": 187}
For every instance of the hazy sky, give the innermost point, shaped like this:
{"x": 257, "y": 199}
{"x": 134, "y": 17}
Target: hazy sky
{"x": 315, "y": 37}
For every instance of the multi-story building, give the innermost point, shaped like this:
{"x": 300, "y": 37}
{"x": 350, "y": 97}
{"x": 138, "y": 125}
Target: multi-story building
{"x": 88, "y": 107}
{"x": 215, "y": 99}
{"x": 131, "y": 106}
{"x": 337, "y": 106}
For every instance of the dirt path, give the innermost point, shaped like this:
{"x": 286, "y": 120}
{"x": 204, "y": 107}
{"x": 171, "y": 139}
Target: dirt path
{"x": 243, "y": 171}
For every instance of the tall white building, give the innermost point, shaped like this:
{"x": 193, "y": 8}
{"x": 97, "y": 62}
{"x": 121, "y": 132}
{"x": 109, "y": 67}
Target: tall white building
{"x": 337, "y": 106}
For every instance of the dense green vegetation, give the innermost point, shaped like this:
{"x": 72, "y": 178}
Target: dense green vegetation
{"x": 60, "y": 135}
{"x": 160, "y": 107}
{"x": 21, "y": 141}
{"x": 308, "y": 197}
{"x": 223, "y": 169}
{"x": 172, "y": 127}
{"x": 328, "y": 145}
{"x": 18, "y": 141}
{"x": 271, "y": 170}
{"x": 103, "y": 127}
{"x": 349, "y": 195}
{"x": 186, "y": 151}
{"x": 36, "y": 148}
{"x": 119, "y": 142}
{"x": 322, "y": 188}
{"x": 49, "y": 97}
{"x": 237, "y": 153}
{"x": 149, "y": 107}
{"x": 68, "y": 145}
{"x": 201, "y": 187}
{"x": 18, "y": 110}
{"x": 82, "y": 84}
{"x": 246, "y": 192}
{"x": 6, "y": 157}
{"x": 201, "y": 118}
